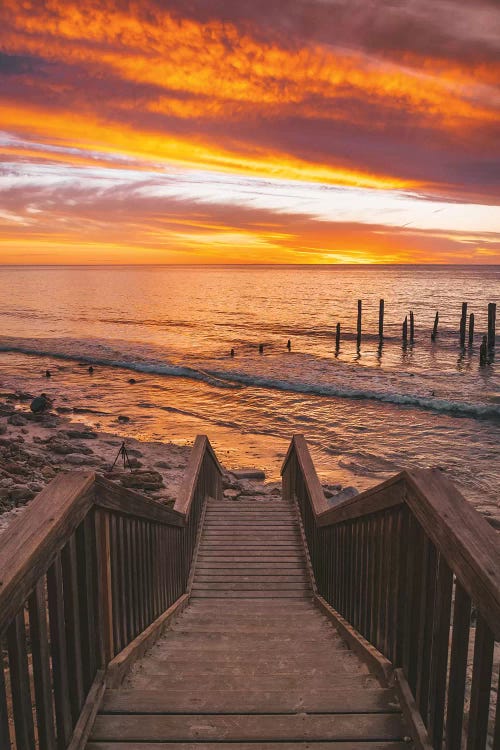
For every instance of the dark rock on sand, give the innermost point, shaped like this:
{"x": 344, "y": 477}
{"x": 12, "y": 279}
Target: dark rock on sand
{"x": 17, "y": 420}
{"x": 81, "y": 434}
{"x": 40, "y": 404}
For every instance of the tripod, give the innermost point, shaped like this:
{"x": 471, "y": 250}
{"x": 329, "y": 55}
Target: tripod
{"x": 124, "y": 454}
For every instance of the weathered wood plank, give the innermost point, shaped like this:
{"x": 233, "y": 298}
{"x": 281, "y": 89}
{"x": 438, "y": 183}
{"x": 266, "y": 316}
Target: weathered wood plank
{"x": 58, "y": 649}
{"x": 112, "y": 497}
{"x": 247, "y": 701}
{"x": 20, "y": 683}
{"x": 41, "y": 667}
{"x": 389, "y": 745}
{"x": 119, "y": 666}
{"x": 244, "y": 728}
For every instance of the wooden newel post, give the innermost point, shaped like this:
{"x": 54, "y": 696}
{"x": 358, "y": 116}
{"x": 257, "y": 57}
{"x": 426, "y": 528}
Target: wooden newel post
{"x": 358, "y": 339}
{"x": 471, "y": 329}
{"x": 405, "y": 329}
{"x": 435, "y": 327}
{"x": 381, "y": 319}
{"x": 105, "y": 584}
{"x": 463, "y": 324}
{"x": 412, "y": 326}
{"x": 337, "y": 338}
{"x": 492, "y": 315}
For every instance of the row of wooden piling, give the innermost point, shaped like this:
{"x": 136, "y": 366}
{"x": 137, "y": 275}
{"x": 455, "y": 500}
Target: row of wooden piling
{"x": 487, "y": 345}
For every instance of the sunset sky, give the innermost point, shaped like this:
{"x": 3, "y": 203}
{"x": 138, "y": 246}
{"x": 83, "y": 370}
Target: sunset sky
{"x": 274, "y": 131}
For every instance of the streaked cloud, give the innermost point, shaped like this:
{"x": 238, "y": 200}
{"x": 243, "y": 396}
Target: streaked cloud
{"x": 356, "y": 125}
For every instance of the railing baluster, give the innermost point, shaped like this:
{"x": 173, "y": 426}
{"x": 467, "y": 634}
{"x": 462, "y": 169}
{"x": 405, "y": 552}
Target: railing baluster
{"x": 85, "y": 547}
{"x": 4, "y": 716}
{"x": 439, "y": 660}
{"x": 20, "y": 683}
{"x": 59, "y": 653}
{"x": 481, "y": 686}
{"x": 105, "y": 583}
{"x": 72, "y": 620}
{"x": 403, "y": 587}
{"x": 424, "y": 647}
{"x": 496, "y": 737}
{"x": 115, "y": 582}
{"x": 458, "y": 668}
{"x": 39, "y": 638}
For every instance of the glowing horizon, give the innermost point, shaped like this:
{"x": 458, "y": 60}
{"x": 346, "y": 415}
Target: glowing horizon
{"x": 333, "y": 132}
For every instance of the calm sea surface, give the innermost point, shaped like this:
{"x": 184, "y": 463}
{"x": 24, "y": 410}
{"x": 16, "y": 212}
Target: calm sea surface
{"x": 366, "y": 414}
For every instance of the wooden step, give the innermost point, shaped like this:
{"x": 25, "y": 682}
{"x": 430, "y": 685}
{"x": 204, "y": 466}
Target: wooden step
{"x": 254, "y": 594}
{"x": 195, "y": 745}
{"x": 239, "y": 641}
{"x": 381, "y": 700}
{"x": 248, "y": 728}
{"x": 263, "y": 682}
{"x": 245, "y": 577}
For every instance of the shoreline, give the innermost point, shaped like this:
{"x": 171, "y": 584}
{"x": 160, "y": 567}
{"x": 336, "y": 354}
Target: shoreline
{"x": 34, "y": 448}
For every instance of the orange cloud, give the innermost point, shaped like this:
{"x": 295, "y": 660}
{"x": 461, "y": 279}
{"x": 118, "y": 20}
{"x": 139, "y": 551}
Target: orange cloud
{"x": 208, "y": 74}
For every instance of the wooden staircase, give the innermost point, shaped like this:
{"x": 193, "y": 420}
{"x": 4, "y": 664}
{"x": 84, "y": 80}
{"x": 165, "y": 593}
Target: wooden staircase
{"x": 251, "y": 663}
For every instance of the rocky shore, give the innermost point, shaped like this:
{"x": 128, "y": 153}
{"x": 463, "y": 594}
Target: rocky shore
{"x": 36, "y": 447}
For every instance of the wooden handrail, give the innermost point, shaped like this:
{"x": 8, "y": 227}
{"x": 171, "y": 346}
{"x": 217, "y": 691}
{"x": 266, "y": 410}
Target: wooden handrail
{"x": 34, "y": 539}
{"x": 110, "y": 496}
{"x": 98, "y": 568}
{"x": 201, "y": 449}
{"x": 468, "y": 542}
{"x": 404, "y": 563}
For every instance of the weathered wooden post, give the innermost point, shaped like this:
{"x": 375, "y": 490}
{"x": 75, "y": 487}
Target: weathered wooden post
{"x": 492, "y": 315}
{"x": 483, "y": 351}
{"x": 405, "y": 329}
{"x": 381, "y": 319}
{"x": 463, "y": 323}
{"x": 337, "y": 338}
{"x": 435, "y": 327}
{"x": 412, "y": 327}
{"x": 358, "y": 339}
{"x": 471, "y": 329}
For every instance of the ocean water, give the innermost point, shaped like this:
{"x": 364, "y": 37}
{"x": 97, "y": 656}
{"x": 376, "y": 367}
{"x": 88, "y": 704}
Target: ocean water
{"x": 366, "y": 413}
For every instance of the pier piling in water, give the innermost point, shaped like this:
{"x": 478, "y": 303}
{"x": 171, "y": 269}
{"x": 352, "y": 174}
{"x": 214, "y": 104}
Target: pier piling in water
{"x": 492, "y": 315}
{"x": 358, "y": 338}
{"x": 337, "y": 338}
{"x": 435, "y": 327}
{"x": 483, "y": 351}
{"x": 412, "y": 327}
{"x": 381, "y": 319}
{"x": 463, "y": 324}
{"x": 471, "y": 329}
{"x": 405, "y": 330}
